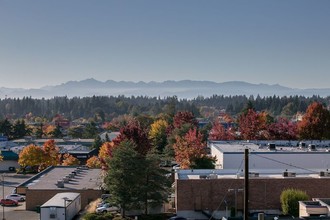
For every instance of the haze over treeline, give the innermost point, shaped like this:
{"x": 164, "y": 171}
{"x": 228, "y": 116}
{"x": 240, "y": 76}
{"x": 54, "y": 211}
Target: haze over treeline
{"x": 108, "y": 107}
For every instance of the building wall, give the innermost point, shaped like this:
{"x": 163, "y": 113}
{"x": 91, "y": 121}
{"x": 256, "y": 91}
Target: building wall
{"x": 4, "y": 165}
{"x": 210, "y": 194}
{"x": 35, "y": 198}
{"x": 312, "y": 160}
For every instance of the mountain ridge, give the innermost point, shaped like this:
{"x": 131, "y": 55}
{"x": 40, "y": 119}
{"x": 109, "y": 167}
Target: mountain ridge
{"x": 186, "y": 89}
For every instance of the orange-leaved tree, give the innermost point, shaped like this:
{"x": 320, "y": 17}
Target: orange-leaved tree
{"x": 189, "y": 148}
{"x": 51, "y": 154}
{"x": 93, "y": 162}
{"x": 31, "y": 156}
{"x": 315, "y": 123}
{"x": 69, "y": 160}
{"x": 105, "y": 153}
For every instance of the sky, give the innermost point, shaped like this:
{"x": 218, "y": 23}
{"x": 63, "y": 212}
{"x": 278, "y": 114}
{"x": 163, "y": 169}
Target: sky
{"x": 49, "y": 42}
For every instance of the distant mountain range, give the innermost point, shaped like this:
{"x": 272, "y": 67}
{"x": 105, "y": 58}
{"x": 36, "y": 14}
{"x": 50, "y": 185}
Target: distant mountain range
{"x": 182, "y": 89}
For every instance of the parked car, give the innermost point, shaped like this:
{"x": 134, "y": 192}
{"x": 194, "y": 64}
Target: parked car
{"x": 101, "y": 204}
{"x": 16, "y": 197}
{"x": 8, "y": 202}
{"x": 107, "y": 208}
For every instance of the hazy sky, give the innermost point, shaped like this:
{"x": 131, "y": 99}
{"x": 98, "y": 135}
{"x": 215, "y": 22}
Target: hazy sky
{"x": 49, "y": 42}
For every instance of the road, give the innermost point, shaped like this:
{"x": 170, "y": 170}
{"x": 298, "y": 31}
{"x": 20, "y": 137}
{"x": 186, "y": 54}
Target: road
{"x": 11, "y": 180}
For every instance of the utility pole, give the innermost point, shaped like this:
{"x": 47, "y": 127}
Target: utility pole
{"x": 246, "y": 184}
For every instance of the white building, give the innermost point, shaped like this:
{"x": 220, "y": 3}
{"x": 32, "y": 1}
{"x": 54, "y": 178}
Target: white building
{"x": 62, "y": 206}
{"x": 277, "y": 155}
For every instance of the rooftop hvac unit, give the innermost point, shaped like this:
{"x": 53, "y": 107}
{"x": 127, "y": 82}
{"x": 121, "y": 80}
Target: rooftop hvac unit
{"x": 213, "y": 176}
{"x": 311, "y": 147}
{"x": 202, "y": 176}
{"x": 253, "y": 174}
{"x": 289, "y": 174}
{"x": 324, "y": 174}
{"x": 66, "y": 179}
{"x": 60, "y": 184}
{"x": 271, "y": 146}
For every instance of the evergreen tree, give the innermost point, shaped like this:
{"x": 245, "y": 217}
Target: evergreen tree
{"x": 135, "y": 181}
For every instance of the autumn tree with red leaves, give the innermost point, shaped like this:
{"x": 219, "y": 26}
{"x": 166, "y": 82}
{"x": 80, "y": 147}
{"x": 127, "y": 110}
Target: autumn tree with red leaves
{"x": 182, "y": 118}
{"x": 250, "y": 125}
{"x": 218, "y": 132}
{"x": 136, "y": 134}
{"x": 189, "y": 148}
{"x": 283, "y": 129}
{"x": 315, "y": 123}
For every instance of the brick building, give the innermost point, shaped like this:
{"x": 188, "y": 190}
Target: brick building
{"x": 60, "y": 179}
{"x": 217, "y": 191}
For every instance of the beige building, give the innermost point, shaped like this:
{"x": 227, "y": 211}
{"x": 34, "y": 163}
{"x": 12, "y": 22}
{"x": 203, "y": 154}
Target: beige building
{"x": 61, "y": 179}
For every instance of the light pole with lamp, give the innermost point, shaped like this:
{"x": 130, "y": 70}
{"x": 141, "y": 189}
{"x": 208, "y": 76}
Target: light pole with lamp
{"x": 65, "y": 199}
{"x": 235, "y": 191}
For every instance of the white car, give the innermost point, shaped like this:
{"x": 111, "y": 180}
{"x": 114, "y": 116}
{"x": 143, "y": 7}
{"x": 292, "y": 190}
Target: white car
{"x": 107, "y": 208}
{"x": 16, "y": 197}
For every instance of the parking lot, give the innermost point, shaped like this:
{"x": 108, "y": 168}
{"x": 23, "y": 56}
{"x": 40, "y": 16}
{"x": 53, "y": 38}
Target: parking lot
{"x": 11, "y": 180}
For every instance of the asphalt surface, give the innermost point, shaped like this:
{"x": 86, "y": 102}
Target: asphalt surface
{"x": 11, "y": 180}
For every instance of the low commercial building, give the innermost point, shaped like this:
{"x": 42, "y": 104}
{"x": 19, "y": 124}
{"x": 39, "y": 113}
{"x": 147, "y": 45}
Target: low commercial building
{"x": 62, "y": 206}
{"x": 9, "y": 161}
{"x": 61, "y": 179}
{"x": 202, "y": 193}
{"x": 272, "y": 154}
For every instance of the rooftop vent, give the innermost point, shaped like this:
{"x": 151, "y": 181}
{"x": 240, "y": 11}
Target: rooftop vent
{"x": 66, "y": 179}
{"x": 60, "y": 184}
{"x": 271, "y": 146}
{"x": 253, "y": 174}
{"x": 325, "y": 174}
{"x": 311, "y": 147}
{"x": 289, "y": 174}
{"x": 213, "y": 176}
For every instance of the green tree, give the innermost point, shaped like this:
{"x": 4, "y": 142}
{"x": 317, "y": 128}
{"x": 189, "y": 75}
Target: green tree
{"x": 57, "y": 132}
{"x": 97, "y": 142}
{"x": 290, "y": 201}
{"x": 20, "y": 129}
{"x": 38, "y": 131}
{"x": 135, "y": 181}
{"x": 90, "y": 130}
{"x": 6, "y": 128}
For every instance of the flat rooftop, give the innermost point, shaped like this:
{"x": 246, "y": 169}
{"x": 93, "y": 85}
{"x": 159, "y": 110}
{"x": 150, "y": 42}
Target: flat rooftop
{"x": 84, "y": 178}
{"x": 235, "y": 174}
{"x": 262, "y": 146}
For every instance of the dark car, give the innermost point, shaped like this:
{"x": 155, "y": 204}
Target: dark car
{"x": 177, "y": 218}
{"x": 8, "y": 202}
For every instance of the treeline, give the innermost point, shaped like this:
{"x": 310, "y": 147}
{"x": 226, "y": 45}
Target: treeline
{"x": 108, "y": 107}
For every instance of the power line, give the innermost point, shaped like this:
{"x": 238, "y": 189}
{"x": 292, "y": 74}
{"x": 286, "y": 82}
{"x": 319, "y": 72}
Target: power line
{"x": 280, "y": 162}
{"x": 223, "y": 199}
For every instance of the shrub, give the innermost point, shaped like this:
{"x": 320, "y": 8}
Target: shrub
{"x": 290, "y": 201}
